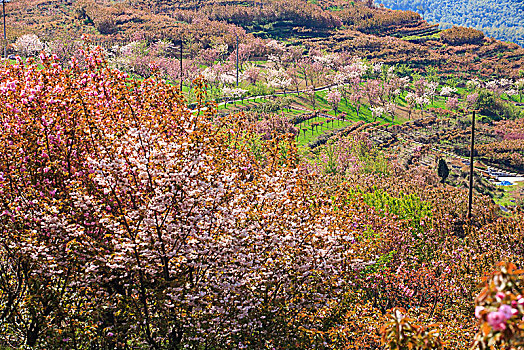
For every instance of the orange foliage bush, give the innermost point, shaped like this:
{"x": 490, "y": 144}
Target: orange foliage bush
{"x": 462, "y": 35}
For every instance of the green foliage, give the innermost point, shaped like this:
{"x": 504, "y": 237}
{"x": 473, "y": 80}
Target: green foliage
{"x": 381, "y": 264}
{"x": 491, "y": 105}
{"x": 374, "y": 162}
{"x": 259, "y": 89}
{"x": 404, "y": 70}
{"x": 502, "y": 19}
{"x": 270, "y": 106}
{"x": 407, "y": 207}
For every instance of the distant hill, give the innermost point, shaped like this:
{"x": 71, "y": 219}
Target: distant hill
{"x": 501, "y": 19}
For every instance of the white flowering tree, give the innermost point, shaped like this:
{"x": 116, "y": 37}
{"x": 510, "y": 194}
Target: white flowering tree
{"x": 28, "y": 45}
{"x": 430, "y": 90}
{"x": 377, "y": 112}
{"x": 422, "y": 102}
{"x": 519, "y": 86}
{"x": 278, "y": 79}
{"x": 448, "y": 91}
{"x": 473, "y": 84}
{"x": 391, "y": 108}
{"x": 411, "y": 100}
{"x": 238, "y": 93}
{"x": 493, "y": 86}
{"x": 512, "y": 92}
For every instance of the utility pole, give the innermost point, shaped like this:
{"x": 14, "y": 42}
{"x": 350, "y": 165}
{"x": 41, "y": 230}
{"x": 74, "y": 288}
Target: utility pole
{"x": 181, "y": 67}
{"x": 237, "y": 59}
{"x": 5, "y": 33}
{"x": 471, "y": 159}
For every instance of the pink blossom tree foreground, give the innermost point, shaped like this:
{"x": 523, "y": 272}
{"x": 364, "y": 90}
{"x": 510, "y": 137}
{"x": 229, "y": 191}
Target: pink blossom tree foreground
{"x": 128, "y": 222}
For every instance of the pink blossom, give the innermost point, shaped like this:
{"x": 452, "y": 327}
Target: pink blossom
{"x": 506, "y": 310}
{"x": 478, "y": 310}
{"x": 497, "y": 320}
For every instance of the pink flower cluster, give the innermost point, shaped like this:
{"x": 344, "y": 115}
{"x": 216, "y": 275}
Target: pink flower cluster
{"x": 497, "y": 319}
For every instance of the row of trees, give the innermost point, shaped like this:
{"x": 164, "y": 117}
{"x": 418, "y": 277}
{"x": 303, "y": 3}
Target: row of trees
{"x": 293, "y": 68}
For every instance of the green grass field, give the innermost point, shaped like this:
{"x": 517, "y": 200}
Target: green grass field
{"x": 300, "y": 104}
{"x": 511, "y": 195}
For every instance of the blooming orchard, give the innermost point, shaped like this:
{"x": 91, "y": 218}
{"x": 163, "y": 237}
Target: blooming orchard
{"x": 129, "y": 221}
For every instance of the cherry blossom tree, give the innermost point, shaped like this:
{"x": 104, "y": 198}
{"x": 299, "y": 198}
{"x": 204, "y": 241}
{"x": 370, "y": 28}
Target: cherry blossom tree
{"x": 448, "y": 91}
{"x": 334, "y": 97}
{"x": 377, "y": 112}
{"x": 28, "y": 45}
{"x": 278, "y": 79}
{"x": 251, "y": 74}
{"x": 411, "y": 100}
{"x": 452, "y": 103}
{"x": 312, "y": 96}
{"x": 131, "y": 220}
{"x": 356, "y": 96}
{"x": 293, "y": 75}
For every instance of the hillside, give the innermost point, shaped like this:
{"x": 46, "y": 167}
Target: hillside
{"x": 501, "y": 19}
{"x": 256, "y": 174}
{"x": 132, "y": 222}
{"x": 334, "y": 25}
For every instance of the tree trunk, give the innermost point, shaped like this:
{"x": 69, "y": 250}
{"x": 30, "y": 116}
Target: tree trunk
{"x": 32, "y": 333}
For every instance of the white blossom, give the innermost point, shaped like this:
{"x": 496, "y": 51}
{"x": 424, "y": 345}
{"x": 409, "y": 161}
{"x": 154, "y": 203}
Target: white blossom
{"x": 422, "y": 100}
{"x": 377, "y": 112}
{"x": 227, "y": 78}
{"x": 505, "y": 82}
{"x": 278, "y": 78}
{"x": 28, "y": 45}
{"x": 340, "y": 78}
{"x": 492, "y": 85}
{"x": 473, "y": 84}
{"x": 448, "y": 91}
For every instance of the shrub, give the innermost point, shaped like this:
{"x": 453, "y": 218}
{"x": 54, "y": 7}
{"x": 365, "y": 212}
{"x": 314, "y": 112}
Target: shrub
{"x": 461, "y": 36}
{"x": 106, "y": 25}
{"x": 491, "y": 105}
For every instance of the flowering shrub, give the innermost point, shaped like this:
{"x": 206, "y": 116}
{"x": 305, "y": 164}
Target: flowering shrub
{"x": 500, "y": 309}
{"x": 28, "y": 45}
